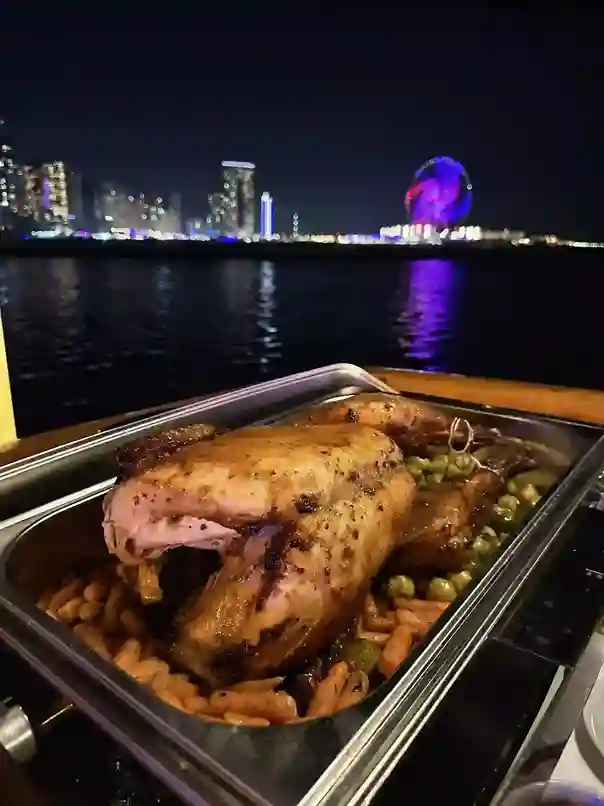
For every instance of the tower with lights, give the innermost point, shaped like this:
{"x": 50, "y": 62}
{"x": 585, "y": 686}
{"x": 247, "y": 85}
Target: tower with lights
{"x": 295, "y": 227}
{"x": 266, "y": 215}
{"x": 238, "y": 198}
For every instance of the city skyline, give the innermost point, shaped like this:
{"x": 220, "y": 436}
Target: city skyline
{"x": 337, "y": 111}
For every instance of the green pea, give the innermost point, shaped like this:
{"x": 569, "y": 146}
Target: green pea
{"x": 481, "y": 547}
{"x": 454, "y": 472}
{"x": 460, "y": 580}
{"x": 509, "y": 502}
{"x": 415, "y": 471}
{"x": 530, "y": 494}
{"x": 439, "y": 464}
{"x": 502, "y": 518}
{"x": 465, "y": 463}
{"x": 362, "y": 655}
{"x": 418, "y": 461}
{"x": 434, "y": 479}
{"x": 441, "y": 590}
{"x": 489, "y": 533}
{"x": 400, "y": 587}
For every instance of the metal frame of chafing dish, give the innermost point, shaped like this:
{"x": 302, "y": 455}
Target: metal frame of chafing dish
{"x": 369, "y": 738}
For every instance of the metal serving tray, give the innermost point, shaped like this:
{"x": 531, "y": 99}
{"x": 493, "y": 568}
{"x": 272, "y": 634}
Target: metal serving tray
{"x": 336, "y": 760}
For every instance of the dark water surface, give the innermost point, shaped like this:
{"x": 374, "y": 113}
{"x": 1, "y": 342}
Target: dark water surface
{"x": 87, "y": 339}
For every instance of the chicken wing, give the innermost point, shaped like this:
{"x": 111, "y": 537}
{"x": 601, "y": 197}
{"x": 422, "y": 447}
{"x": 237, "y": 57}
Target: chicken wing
{"x": 408, "y": 422}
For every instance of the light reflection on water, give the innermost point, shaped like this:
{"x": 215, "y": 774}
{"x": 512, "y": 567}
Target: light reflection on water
{"x": 430, "y": 309}
{"x": 89, "y": 338}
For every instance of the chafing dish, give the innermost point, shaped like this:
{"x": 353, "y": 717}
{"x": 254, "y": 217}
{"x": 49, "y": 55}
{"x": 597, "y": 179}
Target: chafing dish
{"x": 342, "y": 759}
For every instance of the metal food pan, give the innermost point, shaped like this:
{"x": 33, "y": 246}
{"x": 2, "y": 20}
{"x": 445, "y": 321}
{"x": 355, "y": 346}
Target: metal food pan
{"x": 333, "y": 760}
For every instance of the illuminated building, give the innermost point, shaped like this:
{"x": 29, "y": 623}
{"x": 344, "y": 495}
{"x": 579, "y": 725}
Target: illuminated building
{"x": 266, "y": 215}
{"x": 8, "y": 181}
{"x": 55, "y": 191}
{"x": 295, "y": 227}
{"x": 238, "y": 217}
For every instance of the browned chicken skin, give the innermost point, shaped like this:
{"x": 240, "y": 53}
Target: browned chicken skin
{"x": 411, "y": 424}
{"x": 408, "y": 422}
{"x": 145, "y": 452}
{"x": 289, "y": 592}
{"x": 443, "y": 523}
{"x": 203, "y": 493}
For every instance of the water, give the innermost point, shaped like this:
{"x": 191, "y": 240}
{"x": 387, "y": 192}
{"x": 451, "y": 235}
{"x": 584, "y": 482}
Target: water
{"x": 86, "y": 339}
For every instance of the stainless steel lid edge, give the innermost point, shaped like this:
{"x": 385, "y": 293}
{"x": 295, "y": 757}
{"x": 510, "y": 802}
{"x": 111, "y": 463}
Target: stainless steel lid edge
{"x": 109, "y": 436}
{"x": 392, "y": 727}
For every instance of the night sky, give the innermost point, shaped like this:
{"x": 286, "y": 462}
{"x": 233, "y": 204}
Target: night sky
{"x": 337, "y": 109}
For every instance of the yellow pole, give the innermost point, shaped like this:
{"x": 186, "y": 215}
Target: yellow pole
{"x": 8, "y": 432}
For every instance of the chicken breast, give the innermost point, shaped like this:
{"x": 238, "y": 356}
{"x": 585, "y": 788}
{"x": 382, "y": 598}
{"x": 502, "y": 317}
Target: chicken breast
{"x": 408, "y": 422}
{"x": 281, "y": 598}
{"x": 204, "y": 494}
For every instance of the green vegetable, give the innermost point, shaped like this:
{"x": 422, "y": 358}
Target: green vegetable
{"x": 509, "y": 502}
{"x": 481, "y": 547}
{"x": 502, "y": 518}
{"x": 530, "y": 494}
{"x": 441, "y": 590}
{"x": 415, "y": 471}
{"x": 482, "y": 453}
{"x": 540, "y": 478}
{"x": 400, "y": 587}
{"x": 489, "y": 534}
{"x": 460, "y": 580}
{"x": 439, "y": 464}
{"x": 465, "y": 463}
{"x": 434, "y": 479}
{"x": 362, "y": 655}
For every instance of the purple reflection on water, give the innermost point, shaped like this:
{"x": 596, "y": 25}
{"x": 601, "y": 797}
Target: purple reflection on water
{"x": 429, "y": 309}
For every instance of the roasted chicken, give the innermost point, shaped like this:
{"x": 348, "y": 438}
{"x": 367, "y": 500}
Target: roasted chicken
{"x": 289, "y": 592}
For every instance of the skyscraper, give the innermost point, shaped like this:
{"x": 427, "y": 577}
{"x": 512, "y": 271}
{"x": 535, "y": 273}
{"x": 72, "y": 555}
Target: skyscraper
{"x": 266, "y": 215}
{"x": 57, "y": 203}
{"x": 238, "y": 198}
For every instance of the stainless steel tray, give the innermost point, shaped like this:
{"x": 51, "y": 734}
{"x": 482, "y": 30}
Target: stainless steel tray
{"x": 335, "y": 760}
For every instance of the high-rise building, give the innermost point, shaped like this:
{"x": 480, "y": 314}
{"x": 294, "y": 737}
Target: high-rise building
{"x": 56, "y": 199}
{"x": 238, "y": 198}
{"x": 8, "y": 181}
{"x": 266, "y": 215}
